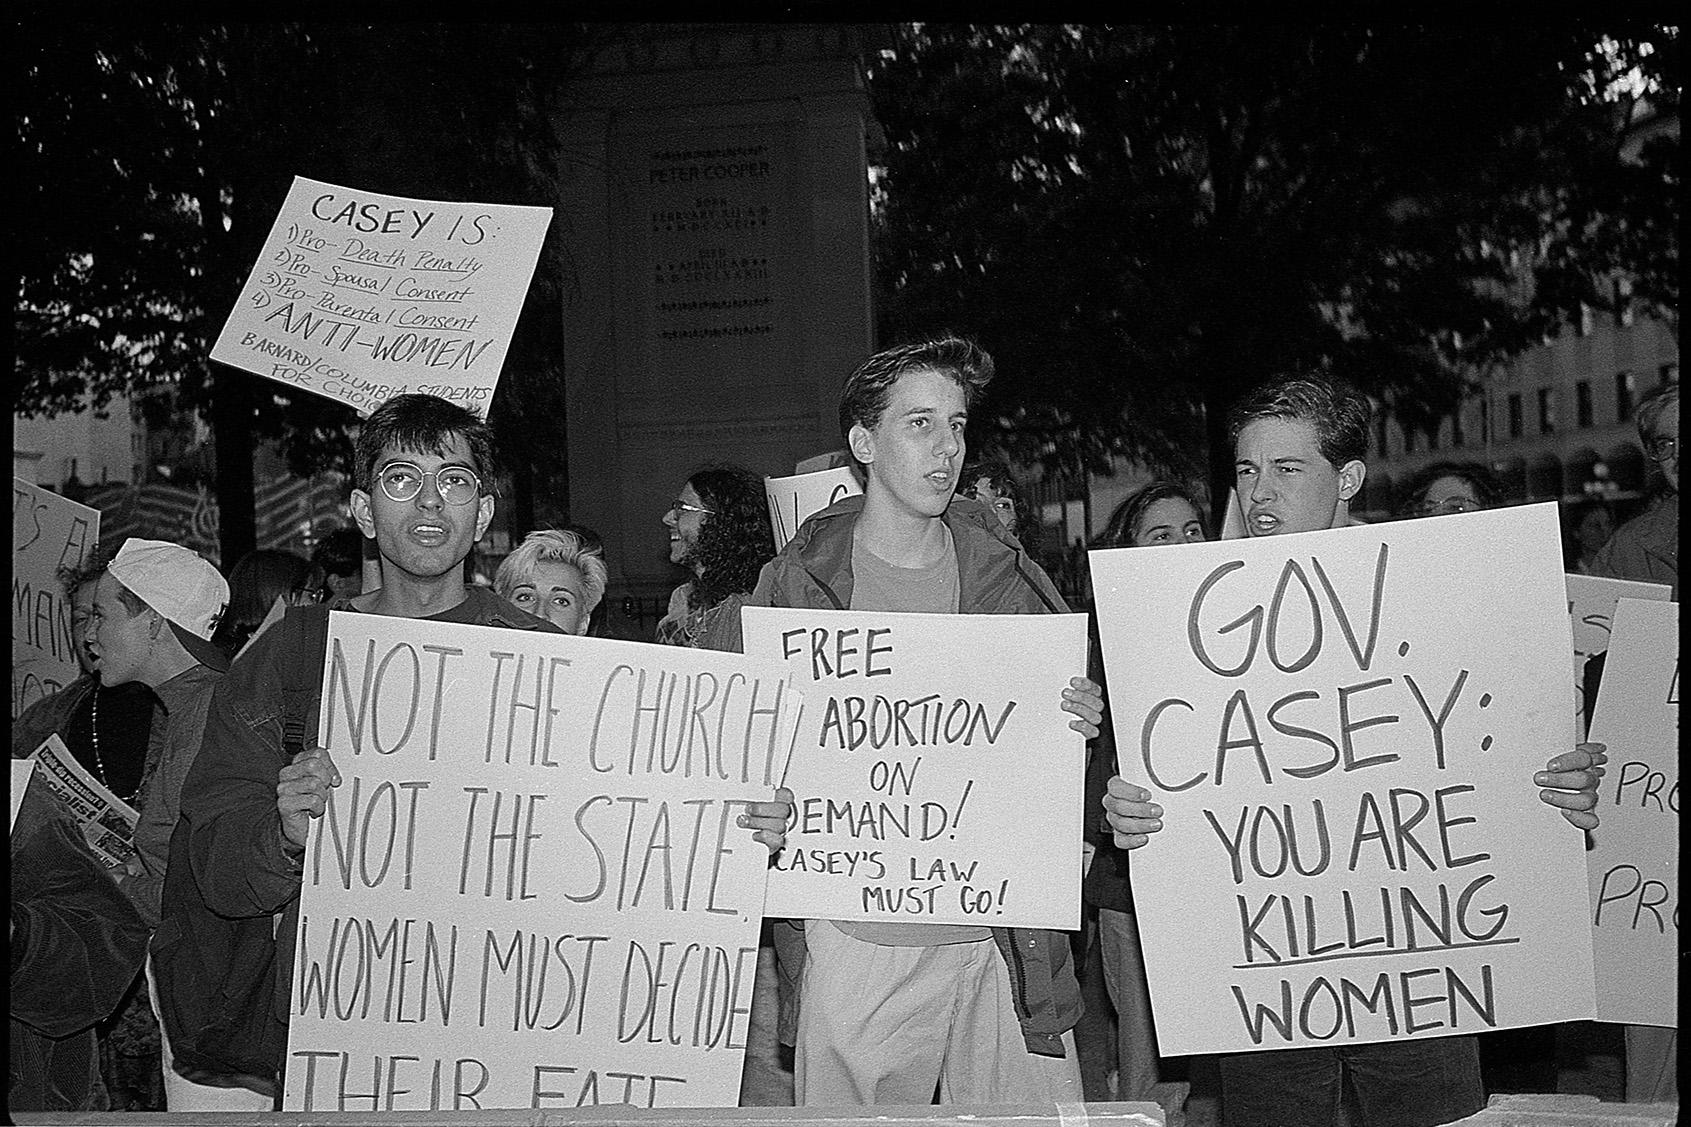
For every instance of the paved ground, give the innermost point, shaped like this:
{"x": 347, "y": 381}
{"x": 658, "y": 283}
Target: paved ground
{"x": 1580, "y": 1058}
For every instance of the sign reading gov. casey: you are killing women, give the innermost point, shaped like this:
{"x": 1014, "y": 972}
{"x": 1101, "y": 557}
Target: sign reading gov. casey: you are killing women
{"x": 1342, "y": 728}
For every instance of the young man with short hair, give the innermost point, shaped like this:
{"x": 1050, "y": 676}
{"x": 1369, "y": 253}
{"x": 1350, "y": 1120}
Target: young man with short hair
{"x": 425, "y": 474}
{"x": 155, "y": 609}
{"x": 890, "y": 1011}
{"x": 1299, "y": 444}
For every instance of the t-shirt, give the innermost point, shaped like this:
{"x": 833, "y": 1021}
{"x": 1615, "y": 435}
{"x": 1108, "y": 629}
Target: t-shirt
{"x": 879, "y": 585}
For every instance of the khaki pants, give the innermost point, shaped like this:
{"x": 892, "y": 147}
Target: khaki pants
{"x": 890, "y": 1025}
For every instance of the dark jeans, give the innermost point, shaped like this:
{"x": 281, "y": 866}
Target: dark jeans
{"x": 1397, "y": 1084}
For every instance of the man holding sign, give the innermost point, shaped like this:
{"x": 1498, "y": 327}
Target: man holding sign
{"x": 1298, "y": 446}
{"x": 889, "y": 1012}
{"x": 426, "y": 469}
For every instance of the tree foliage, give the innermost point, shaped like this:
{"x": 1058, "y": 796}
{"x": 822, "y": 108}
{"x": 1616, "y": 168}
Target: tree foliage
{"x": 1140, "y": 222}
{"x": 153, "y": 159}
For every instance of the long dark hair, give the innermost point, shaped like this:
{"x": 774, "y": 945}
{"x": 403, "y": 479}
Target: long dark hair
{"x": 254, "y": 582}
{"x": 735, "y": 540}
{"x": 1124, "y": 523}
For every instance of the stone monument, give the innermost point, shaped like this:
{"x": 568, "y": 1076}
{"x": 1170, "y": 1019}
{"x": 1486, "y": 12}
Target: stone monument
{"x": 717, "y": 219}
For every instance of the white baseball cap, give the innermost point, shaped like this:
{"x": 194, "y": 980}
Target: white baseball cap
{"x": 181, "y": 586}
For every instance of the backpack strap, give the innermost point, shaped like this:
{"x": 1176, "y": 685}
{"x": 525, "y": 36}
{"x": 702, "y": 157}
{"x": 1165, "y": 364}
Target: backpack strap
{"x": 303, "y": 675}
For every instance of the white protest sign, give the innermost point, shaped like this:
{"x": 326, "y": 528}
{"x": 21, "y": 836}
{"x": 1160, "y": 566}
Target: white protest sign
{"x": 530, "y": 889}
{"x": 791, "y": 499}
{"x": 1634, "y": 860}
{"x": 936, "y": 777}
{"x": 1342, "y": 728}
{"x": 1591, "y": 607}
{"x": 359, "y": 296}
{"x": 21, "y": 769}
{"x": 1233, "y": 519}
{"x": 48, "y": 533}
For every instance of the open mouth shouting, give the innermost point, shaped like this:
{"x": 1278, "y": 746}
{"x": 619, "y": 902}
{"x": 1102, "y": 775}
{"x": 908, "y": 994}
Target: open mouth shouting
{"x": 429, "y": 533}
{"x": 1263, "y": 523}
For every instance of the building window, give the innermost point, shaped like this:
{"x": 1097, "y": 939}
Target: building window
{"x": 1433, "y": 435}
{"x": 1546, "y": 410}
{"x": 1626, "y": 394}
{"x": 1408, "y": 439}
{"x": 1485, "y": 422}
{"x": 1584, "y": 327}
{"x": 1582, "y": 403}
{"x": 1515, "y": 427}
{"x": 1456, "y": 429}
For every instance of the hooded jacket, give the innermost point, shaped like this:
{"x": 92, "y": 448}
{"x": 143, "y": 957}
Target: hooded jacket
{"x": 994, "y": 577}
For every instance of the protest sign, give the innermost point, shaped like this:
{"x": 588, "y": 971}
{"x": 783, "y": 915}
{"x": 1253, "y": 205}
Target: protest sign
{"x": 1233, "y": 519}
{"x": 21, "y": 769}
{"x": 48, "y": 533}
{"x": 1634, "y": 860}
{"x": 1342, "y": 729}
{"x": 931, "y": 786}
{"x": 530, "y": 888}
{"x": 1591, "y": 607}
{"x": 791, "y": 499}
{"x": 360, "y": 296}
{"x": 107, "y": 822}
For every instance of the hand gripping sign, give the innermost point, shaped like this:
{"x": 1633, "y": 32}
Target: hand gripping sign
{"x": 1342, "y": 728}
{"x": 531, "y": 889}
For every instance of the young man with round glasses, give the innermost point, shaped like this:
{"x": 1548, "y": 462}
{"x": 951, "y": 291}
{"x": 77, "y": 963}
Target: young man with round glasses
{"x": 425, "y": 495}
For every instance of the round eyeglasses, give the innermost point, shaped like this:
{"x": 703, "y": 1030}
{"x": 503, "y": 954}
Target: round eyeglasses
{"x": 1448, "y": 505}
{"x": 402, "y": 481}
{"x": 678, "y": 506}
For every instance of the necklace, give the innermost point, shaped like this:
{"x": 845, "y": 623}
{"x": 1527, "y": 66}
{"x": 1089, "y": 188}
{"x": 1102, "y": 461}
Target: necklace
{"x": 94, "y": 738}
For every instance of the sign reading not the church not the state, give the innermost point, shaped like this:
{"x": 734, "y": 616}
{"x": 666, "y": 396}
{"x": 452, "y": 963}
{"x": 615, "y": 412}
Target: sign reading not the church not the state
{"x": 531, "y": 888}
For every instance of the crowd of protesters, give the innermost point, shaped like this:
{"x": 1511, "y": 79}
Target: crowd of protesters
{"x": 200, "y": 699}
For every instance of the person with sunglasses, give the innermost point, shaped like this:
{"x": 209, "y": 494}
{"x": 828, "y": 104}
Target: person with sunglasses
{"x": 719, "y": 530}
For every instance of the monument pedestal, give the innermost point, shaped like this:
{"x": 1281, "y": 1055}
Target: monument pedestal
{"x": 716, "y": 214}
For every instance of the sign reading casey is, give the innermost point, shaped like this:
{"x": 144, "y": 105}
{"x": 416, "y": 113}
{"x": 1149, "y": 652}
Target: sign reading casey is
{"x": 1342, "y": 728}
{"x": 360, "y": 296}
{"x": 48, "y": 533}
{"x": 530, "y": 889}
{"x": 936, "y": 777}
{"x": 1634, "y": 860}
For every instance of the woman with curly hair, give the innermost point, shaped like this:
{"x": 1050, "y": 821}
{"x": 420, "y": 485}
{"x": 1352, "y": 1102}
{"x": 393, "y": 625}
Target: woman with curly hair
{"x": 719, "y": 529}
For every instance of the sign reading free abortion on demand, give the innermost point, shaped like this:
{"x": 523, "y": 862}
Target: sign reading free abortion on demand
{"x": 1342, "y": 728}
{"x": 936, "y": 778}
{"x": 531, "y": 889}
{"x": 360, "y": 296}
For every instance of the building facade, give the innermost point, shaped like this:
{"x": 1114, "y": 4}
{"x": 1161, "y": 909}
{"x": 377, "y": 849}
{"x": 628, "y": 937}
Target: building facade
{"x": 1554, "y": 424}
